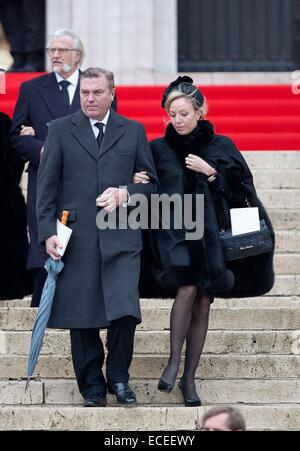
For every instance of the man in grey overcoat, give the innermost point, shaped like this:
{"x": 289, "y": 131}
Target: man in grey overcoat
{"x": 87, "y": 157}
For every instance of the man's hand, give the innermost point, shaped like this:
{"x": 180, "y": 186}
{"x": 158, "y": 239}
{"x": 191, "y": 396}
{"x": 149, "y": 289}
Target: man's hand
{"x": 27, "y": 131}
{"x": 141, "y": 177}
{"x": 195, "y": 163}
{"x": 112, "y": 198}
{"x": 51, "y": 244}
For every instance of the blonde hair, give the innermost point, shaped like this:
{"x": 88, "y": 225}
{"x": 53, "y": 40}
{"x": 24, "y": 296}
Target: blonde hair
{"x": 177, "y": 94}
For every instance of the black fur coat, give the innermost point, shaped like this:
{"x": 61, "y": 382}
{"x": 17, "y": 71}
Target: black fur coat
{"x": 14, "y": 280}
{"x": 169, "y": 260}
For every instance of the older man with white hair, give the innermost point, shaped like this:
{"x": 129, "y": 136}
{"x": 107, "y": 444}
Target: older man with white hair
{"x": 41, "y": 100}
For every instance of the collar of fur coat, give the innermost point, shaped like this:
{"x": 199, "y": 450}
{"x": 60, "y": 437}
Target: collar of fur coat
{"x": 195, "y": 142}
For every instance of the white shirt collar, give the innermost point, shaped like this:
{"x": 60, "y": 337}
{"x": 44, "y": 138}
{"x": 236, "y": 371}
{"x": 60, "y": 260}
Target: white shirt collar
{"x": 104, "y": 120}
{"x": 73, "y": 79}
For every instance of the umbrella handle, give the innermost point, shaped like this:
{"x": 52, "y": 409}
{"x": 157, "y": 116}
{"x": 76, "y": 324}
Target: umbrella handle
{"x": 64, "y": 217}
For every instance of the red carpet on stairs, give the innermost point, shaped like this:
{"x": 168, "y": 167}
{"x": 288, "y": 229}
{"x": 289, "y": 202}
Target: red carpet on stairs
{"x": 255, "y": 117}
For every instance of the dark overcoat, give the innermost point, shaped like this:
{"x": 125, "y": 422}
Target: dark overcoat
{"x": 164, "y": 259}
{"x": 40, "y": 101}
{"x": 99, "y": 282}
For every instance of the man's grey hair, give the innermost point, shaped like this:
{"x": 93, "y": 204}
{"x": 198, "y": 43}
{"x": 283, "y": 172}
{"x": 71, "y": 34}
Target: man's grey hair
{"x": 77, "y": 43}
{"x": 98, "y": 72}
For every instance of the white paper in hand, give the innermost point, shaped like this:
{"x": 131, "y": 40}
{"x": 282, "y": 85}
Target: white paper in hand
{"x": 63, "y": 233}
{"x": 244, "y": 220}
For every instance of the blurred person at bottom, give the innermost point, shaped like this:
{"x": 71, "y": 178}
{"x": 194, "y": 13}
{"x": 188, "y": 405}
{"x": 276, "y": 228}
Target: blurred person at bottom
{"x": 223, "y": 419}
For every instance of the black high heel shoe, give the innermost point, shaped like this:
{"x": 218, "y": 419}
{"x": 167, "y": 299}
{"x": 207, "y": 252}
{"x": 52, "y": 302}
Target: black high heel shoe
{"x": 188, "y": 402}
{"x": 164, "y": 386}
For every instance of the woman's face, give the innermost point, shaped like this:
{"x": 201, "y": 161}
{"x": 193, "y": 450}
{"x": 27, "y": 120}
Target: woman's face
{"x": 183, "y": 116}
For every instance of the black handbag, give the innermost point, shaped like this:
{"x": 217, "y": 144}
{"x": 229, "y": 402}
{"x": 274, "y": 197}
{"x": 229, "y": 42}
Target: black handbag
{"x": 246, "y": 244}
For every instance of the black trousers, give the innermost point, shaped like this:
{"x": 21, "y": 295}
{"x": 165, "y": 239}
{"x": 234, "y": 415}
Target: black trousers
{"x": 23, "y": 22}
{"x": 88, "y": 355}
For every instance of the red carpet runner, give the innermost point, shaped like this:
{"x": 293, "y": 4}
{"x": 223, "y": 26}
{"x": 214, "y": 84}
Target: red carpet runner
{"x": 255, "y": 117}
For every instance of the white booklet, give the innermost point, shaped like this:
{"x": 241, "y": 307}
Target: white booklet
{"x": 244, "y": 220}
{"x": 63, "y": 233}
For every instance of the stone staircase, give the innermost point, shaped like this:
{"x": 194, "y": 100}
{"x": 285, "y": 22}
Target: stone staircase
{"x": 251, "y": 357}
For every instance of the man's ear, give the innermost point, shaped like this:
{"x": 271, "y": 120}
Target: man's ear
{"x": 77, "y": 57}
{"x": 113, "y": 92}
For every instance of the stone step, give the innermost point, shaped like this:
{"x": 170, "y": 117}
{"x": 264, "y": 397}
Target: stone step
{"x": 269, "y": 300}
{"x": 279, "y": 198}
{"x": 231, "y": 366}
{"x": 156, "y": 342}
{"x": 267, "y": 313}
{"x": 266, "y": 301}
{"x": 287, "y": 263}
{"x": 285, "y": 219}
{"x": 286, "y": 285}
{"x": 272, "y": 160}
{"x": 287, "y": 241}
{"x": 257, "y": 304}
{"x": 251, "y": 316}
{"x": 266, "y": 417}
{"x": 234, "y": 391}
{"x": 276, "y": 178}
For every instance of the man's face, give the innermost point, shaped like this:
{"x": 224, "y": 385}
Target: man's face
{"x": 217, "y": 423}
{"x": 64, "y": 59}
{"x": 95, "y": 97}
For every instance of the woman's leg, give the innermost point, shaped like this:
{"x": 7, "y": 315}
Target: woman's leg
{"x": 180, "y": 319}
{"x": 194, "y": 343}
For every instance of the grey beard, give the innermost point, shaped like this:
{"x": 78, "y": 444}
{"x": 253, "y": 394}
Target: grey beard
{"x": 64, "y": 68}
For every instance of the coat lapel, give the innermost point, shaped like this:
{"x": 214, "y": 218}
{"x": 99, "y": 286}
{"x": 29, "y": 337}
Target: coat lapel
{"x": 52, "y": 96}
{"x": 114, "y": 130}
{"x": 83, "y": 132}
{"x": 54, "y": 100}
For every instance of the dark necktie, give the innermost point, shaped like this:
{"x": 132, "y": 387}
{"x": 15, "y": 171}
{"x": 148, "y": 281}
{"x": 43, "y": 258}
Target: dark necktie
{"x": 64, "y": 90}
{"x": 100, "y": 126}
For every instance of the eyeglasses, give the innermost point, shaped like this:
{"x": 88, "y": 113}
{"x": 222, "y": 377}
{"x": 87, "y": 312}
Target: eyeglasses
{"x": 60, "y": 51}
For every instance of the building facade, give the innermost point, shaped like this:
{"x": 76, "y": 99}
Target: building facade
{"x": 150, "y": 41}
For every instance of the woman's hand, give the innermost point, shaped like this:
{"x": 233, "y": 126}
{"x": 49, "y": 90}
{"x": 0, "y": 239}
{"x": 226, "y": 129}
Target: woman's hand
{"x": 112, "y": 198}
{"x": 141, "y": 177}
{"x": 197, "y": 164}
{"x": 27, "y": 131}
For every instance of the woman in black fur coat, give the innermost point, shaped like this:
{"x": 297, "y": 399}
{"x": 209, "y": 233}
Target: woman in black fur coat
{"x": 191, "y": 159}
{"x": 13, "y": 233}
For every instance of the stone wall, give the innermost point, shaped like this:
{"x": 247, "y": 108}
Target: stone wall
{"x": 136, "y": 39}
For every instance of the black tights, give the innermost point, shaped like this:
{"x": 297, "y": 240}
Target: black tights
{"x": 189, "y": 321}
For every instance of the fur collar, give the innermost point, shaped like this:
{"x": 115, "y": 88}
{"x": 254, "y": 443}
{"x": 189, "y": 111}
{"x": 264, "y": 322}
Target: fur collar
{"x": 194, "y": 143}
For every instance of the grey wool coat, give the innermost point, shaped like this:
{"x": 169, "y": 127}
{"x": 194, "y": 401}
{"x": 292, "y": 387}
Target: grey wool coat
{"x": 99, "y": 282}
